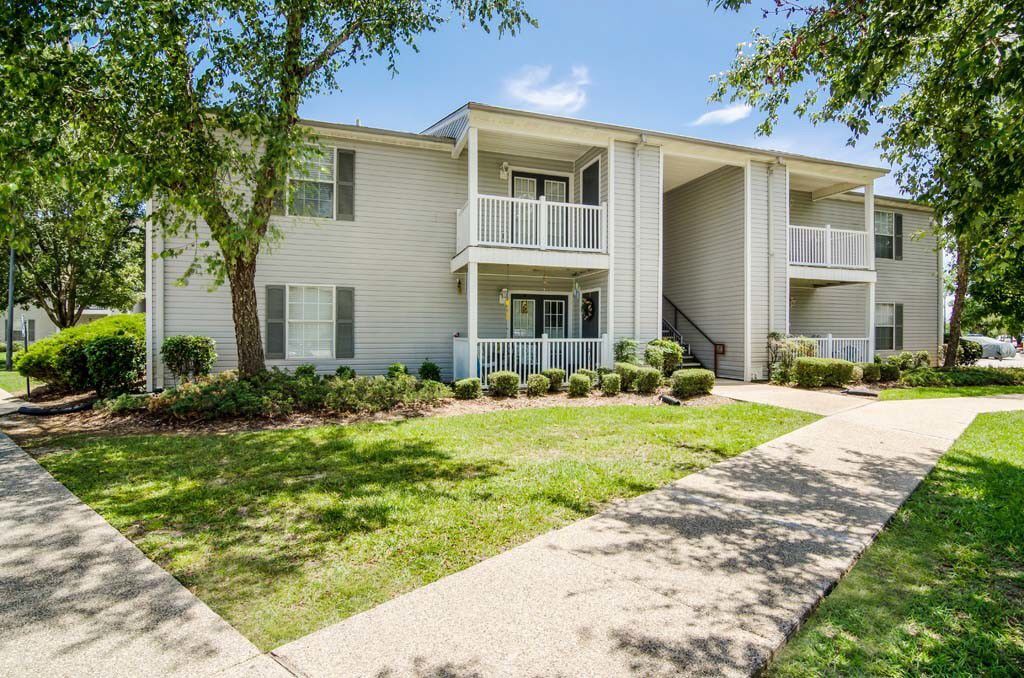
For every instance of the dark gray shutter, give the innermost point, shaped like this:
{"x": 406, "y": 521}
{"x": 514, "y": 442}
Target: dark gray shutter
{"x": 275, "y": 314}
{"x": 897, "y": 237}
{"x": 898, "y": 330}
{"x": 31, "y": 330}
{"x": 345, "y": 188}
{"x": 344, "y": 322}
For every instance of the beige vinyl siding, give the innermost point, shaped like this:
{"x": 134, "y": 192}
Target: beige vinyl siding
{"x": 762, "y": 322}
{"x": 492, "y": 320}
{"x": 703, "y": 263}
{"x": 838, "y": 213}
{"x": 647, "y": 227}
{"x": 837, "y": 309}
{"x": 491, "y": 183}
{"x": 395, "y": 254}
{"x": 581, "y": 163}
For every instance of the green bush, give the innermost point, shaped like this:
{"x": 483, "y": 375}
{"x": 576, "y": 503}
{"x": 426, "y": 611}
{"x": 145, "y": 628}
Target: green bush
{"x": 123, "y": 404}
{"x": 783, "y": 352}
{"x": 430, "y": 393}
{"x": 627, "y": 374}
{"x": 611, "y": 384}
{"x": 691, "y": 382}
{"x": 817, "y": 372}
{"x": 344, "y": 372}
{"x": 654, "y": 356}
{"x": 904, "y": 360}
{"x": 922, "y": 359}
{"x": 647, "y": 380}
{"x": 888, "y": 372}
{"x": 579, "y": 385}
{"x": 371, "y": 394}
{"x": 115, "y": 363}
{"x": 218, "y": 397}
{"x": 964, "y": 376}
{"x": 430, "y": 371}
{"x": 396, "y": 369}
{"x": 592, "y": 375}
{"x": 857, "y": 375}
{"x": 870, "y": 372}
{"x": 503, "y": 383}
{"x": 556, "y": 376}
{"x": 188, "y": 356}
{"x": 672, "y": 354}
{"x": 537, "y": 385}
{"x": 625, "y": 351}
{"x": 468, "y": 389}
{"x": 968, "y": 352}
{"x": 60, "y": 359}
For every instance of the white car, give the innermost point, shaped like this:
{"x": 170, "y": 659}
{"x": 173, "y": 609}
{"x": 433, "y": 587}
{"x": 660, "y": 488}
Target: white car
{"x": 993, "y": 348}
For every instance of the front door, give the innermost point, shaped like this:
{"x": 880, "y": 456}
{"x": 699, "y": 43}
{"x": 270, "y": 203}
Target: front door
{"x": 537, "y": 314}
{"x": 590, "y": 304}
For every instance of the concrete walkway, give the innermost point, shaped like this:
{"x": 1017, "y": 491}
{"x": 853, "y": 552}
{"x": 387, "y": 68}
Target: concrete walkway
{"x": 706, "y": 576}
{"x": 9, "y": 403}
{"x": 78, "y": 599}
{"x": 818, "y": 402}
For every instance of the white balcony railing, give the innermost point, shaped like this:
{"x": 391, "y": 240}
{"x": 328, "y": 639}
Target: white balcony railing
{"x": 855, "y": 350}
{"x": 528, "y": 356}
{"x": 827, "y": 246}
{"x": 536, "y": 224}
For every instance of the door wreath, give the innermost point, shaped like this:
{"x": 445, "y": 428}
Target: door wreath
{"x": 587, "y": 309}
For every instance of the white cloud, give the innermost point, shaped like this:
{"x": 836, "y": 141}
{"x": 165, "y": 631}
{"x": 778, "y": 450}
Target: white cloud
{"x": 533, "y": 87}
{"x": 724, "y": 116}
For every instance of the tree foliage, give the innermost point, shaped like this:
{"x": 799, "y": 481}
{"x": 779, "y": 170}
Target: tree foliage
{"x": 201, "y": 99}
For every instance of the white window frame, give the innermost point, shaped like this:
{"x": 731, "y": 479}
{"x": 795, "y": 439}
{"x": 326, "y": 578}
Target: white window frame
{"x": 874, "y": 329}
{"x": 569, "y": 316}
{"x": 288, "y": 320}
{"x": 334, "y": 192}
{"x": 891, "y": 236}
{"x": 550, "y": 173}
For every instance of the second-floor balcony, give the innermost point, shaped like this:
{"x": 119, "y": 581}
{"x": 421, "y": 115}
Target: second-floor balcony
{"x": 829, "y": 247}
{"x": 501, "y": 221}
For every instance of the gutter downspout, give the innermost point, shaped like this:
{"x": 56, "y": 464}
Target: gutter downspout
{"x": 771, "y": 252}
{"x": 636, "y": 237}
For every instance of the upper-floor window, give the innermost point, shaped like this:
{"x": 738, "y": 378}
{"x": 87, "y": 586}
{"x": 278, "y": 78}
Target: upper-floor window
{"x": 321, "y": 186}
{"x": 888, "y": 235}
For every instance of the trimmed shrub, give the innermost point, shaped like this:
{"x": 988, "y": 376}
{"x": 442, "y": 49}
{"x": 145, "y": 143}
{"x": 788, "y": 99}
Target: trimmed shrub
{"x": 611, "y": 384}
{"x": 430, "y": 371}
{"x": 430, "y": 393}
{"x": 858, "y": 374}
{"x": 968, "y": 353}
{"x": 625, "y": 351}
{"x": 654, "y": 356}
{"x": 672, "y": 354}
{"x": 964, "y": 376}
{"x": 344, "y": 372}
{"x": 537, "y": 385}
{"x": 904, "y": 360}
{"x": 115, "y": 363}
{"x": 60, "y": 359}
{"x": 817, "y": 372}
{"x": 217, "y": 397}
{"x": 503, "y": 383}
{"x": 783, "y": 352}
{"x": 692, "y": 382}
{"x": 189, "y": 356}
{"x": 468, "y": 389}
{"x": 593, "y": 376}
{"x": 647, "y": 380}
{"x": 123, "y": 404}
{"x": 396, "y": 369}
{"x": 922, "y": 359}
{"x": 579, "y": 385}
{"x": 371, "y": 394}
{"x": 627, "y": 374}
{"x": 870, "y": 372}
{"x": 888, "y": 372}
{"x": 556, "y": 377}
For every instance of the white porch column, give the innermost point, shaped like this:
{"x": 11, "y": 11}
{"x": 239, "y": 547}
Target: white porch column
{"x": 869, "y": 221}
{"x": 472, "y": 294}
{"x": 472, "y": 150}
{"x": 610, "y": 301}
{"x": 871, "y": 321}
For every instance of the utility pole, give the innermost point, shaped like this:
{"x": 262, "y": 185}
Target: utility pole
{"x": 10, "y": 311}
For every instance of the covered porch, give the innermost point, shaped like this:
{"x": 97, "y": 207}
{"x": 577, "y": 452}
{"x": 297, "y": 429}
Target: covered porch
{"x": 839, "y": 317}
{"x": 526, "y": 319}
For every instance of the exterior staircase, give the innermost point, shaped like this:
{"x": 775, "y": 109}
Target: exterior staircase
{"x": 671, "y": 333}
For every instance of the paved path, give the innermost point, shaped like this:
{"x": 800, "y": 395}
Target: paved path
{"x": 78, "y": 599}
{"x": 9, "y": 403}
{"x": 818, "y": 402}
{"x": 706, "y": 576}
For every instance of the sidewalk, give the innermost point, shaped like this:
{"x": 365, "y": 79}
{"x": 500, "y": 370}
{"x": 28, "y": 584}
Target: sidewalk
{"x": 706, "y": 576}
{"x": 78, "y": 599}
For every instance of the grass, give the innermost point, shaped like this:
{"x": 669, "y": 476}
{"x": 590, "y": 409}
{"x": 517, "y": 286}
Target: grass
{"x": 946, "y": 392}
{"x": 941, "y": 592}
{"x": 284, "y": 532}
{"x": 12, "y": 382}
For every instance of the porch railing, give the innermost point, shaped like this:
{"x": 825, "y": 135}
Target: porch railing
{"x": 528, "y": 356}
{"x": 834, "y": 247}
{"x": 536, "y": 224}
{"x": 855, "y": 350}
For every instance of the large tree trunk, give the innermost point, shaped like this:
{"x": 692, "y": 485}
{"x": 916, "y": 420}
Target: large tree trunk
{"x": 959, "y": 295}
{"x": 242, "y": 277}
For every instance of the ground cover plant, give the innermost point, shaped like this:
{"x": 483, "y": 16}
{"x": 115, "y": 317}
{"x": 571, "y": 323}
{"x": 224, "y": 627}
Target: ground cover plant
{"x": 286, "y": 531}
{"x": 941, "y": 592}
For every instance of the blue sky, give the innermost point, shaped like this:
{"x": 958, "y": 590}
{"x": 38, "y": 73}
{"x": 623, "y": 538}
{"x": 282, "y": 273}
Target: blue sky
{"x": 644, "y": 64}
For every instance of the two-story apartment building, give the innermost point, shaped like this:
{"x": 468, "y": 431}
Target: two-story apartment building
{"x": 500, "y": 239}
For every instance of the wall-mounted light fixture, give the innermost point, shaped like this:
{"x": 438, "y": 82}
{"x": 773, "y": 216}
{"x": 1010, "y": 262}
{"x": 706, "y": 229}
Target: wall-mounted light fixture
{"x": 503, "y": 171}
{"x": 458, "y": 285}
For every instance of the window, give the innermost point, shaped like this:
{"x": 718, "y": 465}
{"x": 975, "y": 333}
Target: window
{"x": 309, "y": 321}
{"x": 889, "y": 327}
{"x": 888, "y": 235}
{"x": 554, "y": 318}
{"x": 19, "y": 335}
{"x": 322, "y": 186}
{"x": 555, "y": 191}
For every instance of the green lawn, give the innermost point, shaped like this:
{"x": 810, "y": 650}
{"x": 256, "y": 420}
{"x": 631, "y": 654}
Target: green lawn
{"x": 942, "y": 590}
{"x": 284, "y": 532}
{"x": 12, "y": 382}
{"x": 946, "y": 392}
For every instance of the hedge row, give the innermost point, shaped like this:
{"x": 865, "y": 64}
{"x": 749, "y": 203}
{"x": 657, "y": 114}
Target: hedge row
{"x": 964, "y": 376}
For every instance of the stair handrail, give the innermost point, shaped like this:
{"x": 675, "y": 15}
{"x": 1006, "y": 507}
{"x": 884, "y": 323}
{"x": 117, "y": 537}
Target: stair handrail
{"x": 719, "y": 348}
